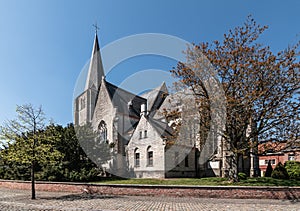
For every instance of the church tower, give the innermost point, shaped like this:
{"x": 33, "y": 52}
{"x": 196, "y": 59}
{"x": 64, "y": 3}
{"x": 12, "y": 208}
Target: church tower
{"x": 84, "y": 104}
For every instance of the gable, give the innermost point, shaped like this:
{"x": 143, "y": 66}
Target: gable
{"x": 124, "y": 101}
{"x": 104, "y": 106}
{"x": 156, "y": 132}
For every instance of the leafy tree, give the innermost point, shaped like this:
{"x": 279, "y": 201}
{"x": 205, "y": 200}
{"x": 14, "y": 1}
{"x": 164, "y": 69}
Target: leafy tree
{"x": 63, "y": 159}
{"x": 293, "y": 169}
{"x": 76, "y": 164}
{"x": 26, "y": 144}
{"x": 280, "y": 172}
{"x": 95, "y": 148}
{"x": 260, "y": 88}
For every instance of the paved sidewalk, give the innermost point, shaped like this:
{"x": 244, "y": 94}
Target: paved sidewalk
{"x": 14, "y": 200}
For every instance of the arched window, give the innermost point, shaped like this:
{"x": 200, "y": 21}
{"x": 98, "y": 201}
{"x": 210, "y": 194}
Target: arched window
{"x": 82, "y": 102}
{"x": 149, "y": 156}
{"x": 136, "y": 157}
{"x": 102, "y": 131}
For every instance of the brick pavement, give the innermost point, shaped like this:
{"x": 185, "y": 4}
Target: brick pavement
{"x": 14, "y": 200}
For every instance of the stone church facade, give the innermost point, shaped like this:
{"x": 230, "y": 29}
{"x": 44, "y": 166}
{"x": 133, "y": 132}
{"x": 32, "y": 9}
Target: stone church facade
{"x": 136, "y": 129}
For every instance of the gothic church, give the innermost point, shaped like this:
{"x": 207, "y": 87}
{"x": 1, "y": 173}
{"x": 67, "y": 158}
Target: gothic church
{"x": 137, "y": 130}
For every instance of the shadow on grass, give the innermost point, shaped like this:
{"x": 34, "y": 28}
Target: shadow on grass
{"x": 268, "y": 181}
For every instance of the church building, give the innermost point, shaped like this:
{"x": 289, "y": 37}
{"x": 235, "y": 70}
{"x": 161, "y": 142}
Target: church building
{"x": 137, "y": 131}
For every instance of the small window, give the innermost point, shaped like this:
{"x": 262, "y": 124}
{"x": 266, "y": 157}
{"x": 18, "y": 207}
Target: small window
{"x": 141, "y": 134}
{"x": 137, "y": 159}
{"x": 145, "y": 134}
{"x": 272, "y": 162}
{"x": 291, "y": 157}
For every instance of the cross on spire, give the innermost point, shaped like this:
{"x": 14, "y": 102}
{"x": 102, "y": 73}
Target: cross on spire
{"x": 96, "y": 27}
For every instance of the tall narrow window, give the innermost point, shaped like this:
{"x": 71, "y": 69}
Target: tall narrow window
{"x": 145, "y": 134}
{"x": 82, "y": 103}
{"x": 149, "y": 156}
{"x": 136, "y": 158}
{"x": 186, "y": 161}
{"x": 176, "y": 158}
{"x": 102, "y": 132}
{"x": 141, "y": 134}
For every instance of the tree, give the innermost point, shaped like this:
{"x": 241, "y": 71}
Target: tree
{"x": 75, "y": 163}
{"x": 280, "y": 172}
{"x": 269, "y": 170}
{"x": 96, "y": 149}
{"x": 293, "y": 169}
{"x": 261, "y": 88}
{"x": 60, "y": 157}
{"x": 26, "y": 143}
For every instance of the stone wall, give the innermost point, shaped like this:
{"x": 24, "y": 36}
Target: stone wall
{"x": 151, "y": 142}
{"x": 291, "y": 193}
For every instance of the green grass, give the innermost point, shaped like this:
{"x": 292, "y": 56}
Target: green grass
{"x": 210, "y": 181}
{"x": 268, "y": 181}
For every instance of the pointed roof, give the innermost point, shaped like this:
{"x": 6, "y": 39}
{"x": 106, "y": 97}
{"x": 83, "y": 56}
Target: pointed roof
{"x": 156, "y": 97}
{"x": 162, "y": 128}
{"x": 96, "y": 71}
{"x": 125, "y": 102}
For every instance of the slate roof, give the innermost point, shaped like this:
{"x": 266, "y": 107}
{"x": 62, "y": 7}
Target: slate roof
{"x": 155, "y": 98}
{"x": 96, "y": 71}
{"x": 161, "y": 127}
{"x": 124, "y": 101}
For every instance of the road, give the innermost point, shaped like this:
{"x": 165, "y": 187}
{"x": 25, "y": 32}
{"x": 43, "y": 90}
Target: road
{"x": 15, "y": 200}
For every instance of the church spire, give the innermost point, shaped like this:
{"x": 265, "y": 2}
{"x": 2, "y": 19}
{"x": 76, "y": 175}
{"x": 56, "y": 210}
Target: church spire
{"x": 96, "y": 71}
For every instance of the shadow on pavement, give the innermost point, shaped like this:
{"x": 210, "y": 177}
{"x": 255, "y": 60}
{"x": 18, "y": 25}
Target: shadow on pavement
{"x": 83, "y": 196}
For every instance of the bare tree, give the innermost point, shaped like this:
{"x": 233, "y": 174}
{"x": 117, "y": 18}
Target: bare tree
{"x": 260, "y": 87}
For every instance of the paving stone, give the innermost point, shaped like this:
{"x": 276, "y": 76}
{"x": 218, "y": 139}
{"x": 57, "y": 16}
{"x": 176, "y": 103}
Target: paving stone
{"x": 15, "y": 200}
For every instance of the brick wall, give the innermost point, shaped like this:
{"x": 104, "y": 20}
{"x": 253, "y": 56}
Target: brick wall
{"x": 160, "y": 190}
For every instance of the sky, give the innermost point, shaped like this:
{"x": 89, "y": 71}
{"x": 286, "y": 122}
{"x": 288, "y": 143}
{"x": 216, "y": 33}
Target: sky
{"x": 45, "y": 44}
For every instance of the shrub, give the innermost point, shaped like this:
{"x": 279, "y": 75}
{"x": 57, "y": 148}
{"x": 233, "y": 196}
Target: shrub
{"x": 280, "y": 172}
{"x": 242, "y": 176}
{"x": 293, "y": 169}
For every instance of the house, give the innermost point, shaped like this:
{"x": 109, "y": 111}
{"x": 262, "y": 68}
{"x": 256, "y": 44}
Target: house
{"x": 275, "y": 152}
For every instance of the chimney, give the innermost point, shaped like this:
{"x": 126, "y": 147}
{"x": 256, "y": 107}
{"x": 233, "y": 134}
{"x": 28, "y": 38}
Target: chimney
{"x": 143, "y": 109}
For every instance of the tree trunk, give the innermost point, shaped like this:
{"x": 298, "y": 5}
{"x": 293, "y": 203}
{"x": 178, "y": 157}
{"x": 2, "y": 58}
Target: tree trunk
{"x": 33, "y": 163}
{"x": 32, "y": 180}
{"x": 233, "y": 170}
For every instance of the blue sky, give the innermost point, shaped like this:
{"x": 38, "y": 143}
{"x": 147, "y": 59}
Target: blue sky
{"x": 45, "y": 44}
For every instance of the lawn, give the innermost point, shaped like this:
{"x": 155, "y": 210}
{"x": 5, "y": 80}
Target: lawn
{"x": 210, "y": 181}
